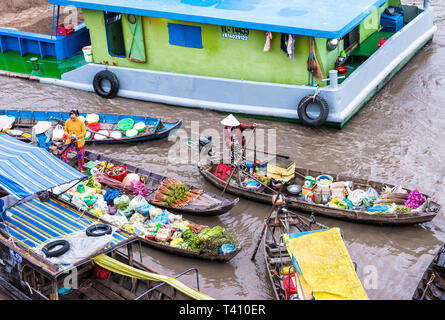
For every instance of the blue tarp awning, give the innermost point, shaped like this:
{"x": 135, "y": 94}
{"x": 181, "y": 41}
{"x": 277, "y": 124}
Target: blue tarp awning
{"x": 26, "y": 169}
{"x": 316, "y": 18}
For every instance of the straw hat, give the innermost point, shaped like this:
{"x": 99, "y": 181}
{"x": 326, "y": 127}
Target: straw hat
{"x": 42, "y": 126}
{"x": 230, "y": 121}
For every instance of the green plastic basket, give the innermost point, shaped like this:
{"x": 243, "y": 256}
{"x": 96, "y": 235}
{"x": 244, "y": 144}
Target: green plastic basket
{"x": 126, "y": 124}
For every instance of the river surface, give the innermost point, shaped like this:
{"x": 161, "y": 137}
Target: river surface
{"x": 397, "y": 137}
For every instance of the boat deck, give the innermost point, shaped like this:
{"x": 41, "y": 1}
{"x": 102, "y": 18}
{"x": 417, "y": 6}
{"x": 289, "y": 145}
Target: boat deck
{"x": 48, "y": 67}
{"x": 34, "y": 222}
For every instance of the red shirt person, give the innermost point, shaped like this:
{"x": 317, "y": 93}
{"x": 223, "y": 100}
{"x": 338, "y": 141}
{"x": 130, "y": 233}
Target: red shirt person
{"x": 233, "y": 128}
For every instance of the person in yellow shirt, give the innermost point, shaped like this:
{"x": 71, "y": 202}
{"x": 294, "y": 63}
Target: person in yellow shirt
{"x": 75, "y": 131}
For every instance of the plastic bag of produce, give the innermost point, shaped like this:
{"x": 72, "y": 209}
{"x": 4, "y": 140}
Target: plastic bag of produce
{"x": 126, "y": 212}
{"x": 110, "y": 195}
{"x": 161, "y": 218}
{"x": 140, "y": 229}
{"x": 129, "y": 228}
{"x": 154, "y": 211}
{"x": 121, "y": 202}
{"x": 96, "y": 211}
{"x": 178, "y": 243}
{"x": 112, "y": 210}
{"x": 370, "y": 196}
{"x": 119, "y": 221}
{"x": 179, "y": 226}
{"x": 137, "y": 217}
{"x": 79, "y": 203}
{"x": 93, "y": 183}
{"x": 137, "y": 202}
{"x": 226, "y": 248}
{"x": 144, "y": 209}
{"x": 173, "y": 217}
{"x": 163, "y": 234}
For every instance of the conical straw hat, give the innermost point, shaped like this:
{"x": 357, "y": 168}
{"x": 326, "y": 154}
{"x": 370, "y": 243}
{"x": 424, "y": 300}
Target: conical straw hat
{"x": 230, "y": 121}
{"x": 42, "y": 126}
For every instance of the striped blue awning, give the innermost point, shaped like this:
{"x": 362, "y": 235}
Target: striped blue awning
{"x": 34, "y": 222}
{"x": 26, "y": 169}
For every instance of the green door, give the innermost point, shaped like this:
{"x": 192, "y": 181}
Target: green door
{"x": 136, "y": 50}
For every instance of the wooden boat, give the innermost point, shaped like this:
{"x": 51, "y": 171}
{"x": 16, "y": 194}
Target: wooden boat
{"x": 27, "y": 275}
{"x": 295, "y": 202}
{"x": 164, "y": 247}
{"x": 276, "y": 256}
{"x": 432, "y": 284}
{"x": 208, "y": 204}
{"x": 155, "y": 128}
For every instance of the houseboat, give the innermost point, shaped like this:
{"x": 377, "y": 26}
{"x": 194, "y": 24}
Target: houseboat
{"x": 316, "y": 62}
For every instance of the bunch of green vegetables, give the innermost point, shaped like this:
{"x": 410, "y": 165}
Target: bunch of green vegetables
{"x": 209, "y": 240}
{"x": 177, "y": 193}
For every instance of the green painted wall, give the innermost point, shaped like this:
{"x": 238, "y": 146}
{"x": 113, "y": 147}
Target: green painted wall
{"x": 220, "y": 57}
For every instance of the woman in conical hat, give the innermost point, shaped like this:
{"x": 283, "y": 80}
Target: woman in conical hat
{"x": 234, "y": 129}
{"x": 42, "y": 134}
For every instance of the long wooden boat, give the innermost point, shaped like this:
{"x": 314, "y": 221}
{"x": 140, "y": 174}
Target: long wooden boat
{"x": 155, "y": 128}
{"x": 208, "y": 204}
{"x": 276, "y": 256}
{"x": 162, "y": 246}
{"x": 265, "y": 195}
{"x": 432, "y": 284}
{"x": 27, "y": 275}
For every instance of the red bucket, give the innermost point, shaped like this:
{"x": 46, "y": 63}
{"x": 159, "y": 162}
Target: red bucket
{"x": 95, "y": 126}
{"x": 342, "y": 70}
{"x": 119, "y": 177}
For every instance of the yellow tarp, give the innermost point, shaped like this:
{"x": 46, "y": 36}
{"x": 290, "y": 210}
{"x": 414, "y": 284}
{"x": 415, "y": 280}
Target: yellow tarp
{"x": 325, "y": 264}
{"x": 126, "y": 270}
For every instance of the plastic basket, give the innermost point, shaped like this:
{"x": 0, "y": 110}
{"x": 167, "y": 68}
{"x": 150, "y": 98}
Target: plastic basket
{"x": 119, "y": 177}
{"x": 125, "y": 124}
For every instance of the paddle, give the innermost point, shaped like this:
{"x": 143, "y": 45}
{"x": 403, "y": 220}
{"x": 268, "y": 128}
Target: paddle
{"x": 265, "y": 225}
{"x": 275, "y": 154}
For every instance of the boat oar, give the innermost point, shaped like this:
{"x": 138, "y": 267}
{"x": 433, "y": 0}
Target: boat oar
{"x": 264, "y": 226}
{"x": 228, "y": 180}
{"x": 275, "y": 154}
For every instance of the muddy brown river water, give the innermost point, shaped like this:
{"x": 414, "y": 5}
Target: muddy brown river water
{"x": 398, "y": 137}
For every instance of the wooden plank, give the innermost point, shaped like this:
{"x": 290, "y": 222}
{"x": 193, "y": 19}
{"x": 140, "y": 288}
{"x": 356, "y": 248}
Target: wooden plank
{"x": 284, "y": 260}
{"x": 110, "y": 294}
{"x": 118, "y": 289}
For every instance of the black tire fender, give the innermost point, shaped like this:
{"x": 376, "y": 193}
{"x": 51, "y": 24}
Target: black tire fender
{"x": 323, "y": 107}
{"x": 47, "y": 250}
{"x": 98, "y": 230}
{"x": 114, "y": 83}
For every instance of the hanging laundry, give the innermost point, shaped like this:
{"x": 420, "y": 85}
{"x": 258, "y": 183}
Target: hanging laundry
{"x": 290, "y": 47}
{"x": 284, "y": 38}
{"x": 268, "y": 38}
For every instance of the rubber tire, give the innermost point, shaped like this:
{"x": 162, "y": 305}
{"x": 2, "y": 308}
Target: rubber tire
{"x": 90, "y": 229}
{"x": 56, "y": 253}
{"x": 114, "y": 81}
{"x": 302, "y": 111}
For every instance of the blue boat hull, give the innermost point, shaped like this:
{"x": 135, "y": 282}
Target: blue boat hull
{"x": 161, "y": 129}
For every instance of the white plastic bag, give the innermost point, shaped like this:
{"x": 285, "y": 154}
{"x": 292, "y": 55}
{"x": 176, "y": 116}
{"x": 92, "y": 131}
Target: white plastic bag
{"x": 58, "y": 132}
{"x": 137, "y": 201}
{"x": 6, "y": 122}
